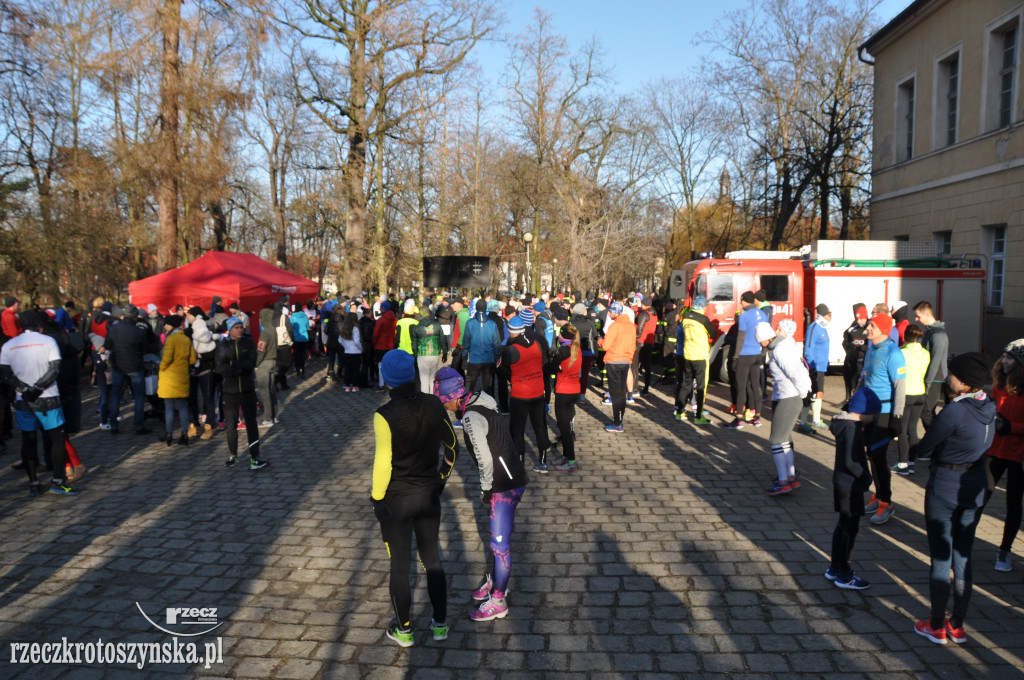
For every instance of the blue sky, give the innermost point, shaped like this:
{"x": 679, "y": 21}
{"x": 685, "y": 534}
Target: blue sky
{"x": 644, "y": 39}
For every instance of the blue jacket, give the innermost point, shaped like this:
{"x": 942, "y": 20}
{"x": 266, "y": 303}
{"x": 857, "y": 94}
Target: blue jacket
{"x": 481, "y": 343}
{"x": 960, "y": 435}
{"x": 816, "y": 348}
{"x": 300, "y": 326}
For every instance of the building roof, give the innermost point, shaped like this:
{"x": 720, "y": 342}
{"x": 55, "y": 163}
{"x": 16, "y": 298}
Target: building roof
{"x": 902, "y": 21}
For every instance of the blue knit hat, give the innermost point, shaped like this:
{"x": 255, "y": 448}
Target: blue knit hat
{"x": 616, "y": 307}
{"x": 398, "y": 367}
{"x": 385, "y": 306}
{"x": 539, "y": 306}
{"x": 864, "y": 401}
{"x": 526, "y": 314}
{"x": 515, "y": 324}
{"x": 493, "y": 306}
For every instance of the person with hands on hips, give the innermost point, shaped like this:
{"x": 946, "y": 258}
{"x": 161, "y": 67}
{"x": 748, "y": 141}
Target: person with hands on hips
{"x": 408, "y": 478}
{"x": 502, "y": 481}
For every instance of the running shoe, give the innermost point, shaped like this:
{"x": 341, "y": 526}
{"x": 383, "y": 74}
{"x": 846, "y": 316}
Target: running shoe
{"x": 457, "y": 424}
{"x": 440, "y": 630}
{"x": 831, "y": 574}
{"x": 484, "y": 591}
{"x": 701, "y": 421}
{"x": 734, "y": 425}
{"x": 257, "y": 464}
{"x": 629, "y": 399}
{"x": 63, "y": 489}
{"x": 957, "y": 635}
{"x": 677, "y": 415}
{"x": 542, "y": 468}
{"x": 607, "y": 401}
{"x": 780, "y": 488}
{"x": 567, "y": 466}
{"x": 872, "y": 504}
{"x": 613, "y": 428}
{"x": 732, "y": 409}
{"x": 491, "y": 608}
{"x": 35, "y": 489}
{"x": 547, "y": 408}
{"x": 853, "y": 583}
{"x": 403, "y": 636}
{"x": 267, "y": 423}
{"x": 1003, "y": 561}
{"x": 230, "y": 462}
{"x": 104, "y": 426}
{"x": 355, "y": 388}
{"x": 924, "y": 628}
{"x": 805, "y": 428}
{"x": 884, "y": 513}
{"x": 900, "y": 469}
{"x": 755, "y": 421}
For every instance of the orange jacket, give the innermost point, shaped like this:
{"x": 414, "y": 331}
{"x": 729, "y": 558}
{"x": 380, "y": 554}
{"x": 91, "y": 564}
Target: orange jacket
{"x": 619, "y": 341}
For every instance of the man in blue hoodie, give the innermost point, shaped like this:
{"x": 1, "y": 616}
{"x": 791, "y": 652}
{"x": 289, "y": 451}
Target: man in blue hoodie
{"x": 816, "y": 348}
{"x": 481, "y": 347}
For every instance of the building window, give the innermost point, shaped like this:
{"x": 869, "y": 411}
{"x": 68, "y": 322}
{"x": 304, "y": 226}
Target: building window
{"x": 995, "y": 244}
{"x": 950, "y": 81}
{"x": 944, "y": 239}
{"x": 1001, "y": 79}
{"x": 902, "y": 238}
{"x": 905, "y": 120}
{"x": 1006, "y": 73}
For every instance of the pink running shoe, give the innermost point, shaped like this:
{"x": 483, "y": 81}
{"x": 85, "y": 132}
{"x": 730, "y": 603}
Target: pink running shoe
{"x": 484, "y": 591}
{"x": 492, "y": 608}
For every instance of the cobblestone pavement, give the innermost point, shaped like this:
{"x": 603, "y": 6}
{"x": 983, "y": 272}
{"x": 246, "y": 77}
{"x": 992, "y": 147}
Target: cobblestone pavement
{"x": 662, "y": 557}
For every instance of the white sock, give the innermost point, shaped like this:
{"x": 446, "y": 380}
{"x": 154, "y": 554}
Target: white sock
{"x": 803, "y": 414}
{"x": 790, "y": 461}
{"x": 779, "y": 454}
{"x": 816, "y": 410}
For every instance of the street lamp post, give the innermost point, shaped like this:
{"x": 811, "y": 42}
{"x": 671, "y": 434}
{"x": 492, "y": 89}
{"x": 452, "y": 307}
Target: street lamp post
{"x": 528, "y": 237}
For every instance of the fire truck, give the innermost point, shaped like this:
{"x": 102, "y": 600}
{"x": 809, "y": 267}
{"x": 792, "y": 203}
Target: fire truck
{"x": 841, "y": 274}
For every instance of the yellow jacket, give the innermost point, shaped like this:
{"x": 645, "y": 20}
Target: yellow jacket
{"x": 179, "y": 354}
{"x": 917, "y": 358}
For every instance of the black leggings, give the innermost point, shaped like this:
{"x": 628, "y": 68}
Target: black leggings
{"x": 644, "y": 365}
{"x": 486, "y": 374}
{"x": 246, "y": 401}
{"x": 418, "y": 512}
{"x": 907, "y": 444}
{"x": 55, "y": 438}
{"x": 299, "y": 352}
{"x": 748, "y": 383}
{"x": 848, "y": 504}
{"x": 519, "y": 411}
{"x": 691, "y": 375}
{"x": 565, "y": 416}
{"x": 352, "y": 362}
{"x": 1014, "y": 495}
{"x": 877, "y": 438}
{"x": 617, "y": 389}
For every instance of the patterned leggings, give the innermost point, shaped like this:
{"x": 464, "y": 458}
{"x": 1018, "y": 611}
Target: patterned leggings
{"x": 503, "y": 514}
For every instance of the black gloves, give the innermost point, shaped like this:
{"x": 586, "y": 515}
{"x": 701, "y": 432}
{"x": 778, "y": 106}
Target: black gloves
{"x": 381, "y": 510}
{"x": 895, "y": 426}
{"x": 31, "y": 393}
{"x": 1003, "y": 426}
{"x": 485, "y": 497}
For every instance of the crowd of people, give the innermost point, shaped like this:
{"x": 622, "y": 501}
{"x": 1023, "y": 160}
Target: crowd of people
{"x": 495, "y": 364}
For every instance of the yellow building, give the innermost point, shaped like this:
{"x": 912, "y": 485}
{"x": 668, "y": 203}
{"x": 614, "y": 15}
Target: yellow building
{"x": 948, "y": 157}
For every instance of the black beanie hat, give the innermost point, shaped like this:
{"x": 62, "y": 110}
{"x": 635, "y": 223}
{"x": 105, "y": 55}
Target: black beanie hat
{"x": 971, "y": 368}
{"x": 747, "y": 298}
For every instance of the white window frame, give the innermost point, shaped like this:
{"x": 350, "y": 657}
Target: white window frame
{"x": 992, "y": 65}
{"x": 996, "y": 262}
{"x": 940, "y": 96}
{"x": 899, "y": 119}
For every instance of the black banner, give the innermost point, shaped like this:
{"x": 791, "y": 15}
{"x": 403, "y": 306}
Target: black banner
{"x": 456, "y": 272}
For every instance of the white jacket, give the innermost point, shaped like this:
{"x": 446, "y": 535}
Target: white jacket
{"x": 353, "y": 346}
{"x": 202, "y": 337}
{"x": 789, "y": 375}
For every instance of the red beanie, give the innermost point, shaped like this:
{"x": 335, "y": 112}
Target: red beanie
{"x": 883, "y": 322}
{"x": 860, "y": 311}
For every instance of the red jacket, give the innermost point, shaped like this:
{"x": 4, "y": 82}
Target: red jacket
{"x": 1009, "y": 446}
{"x": 9, "y": 323}
{"x": 384, "y": 331}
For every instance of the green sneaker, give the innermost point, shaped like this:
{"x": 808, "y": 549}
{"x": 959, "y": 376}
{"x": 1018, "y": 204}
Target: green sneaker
{"x": 440, "y": 630}
{"x": 403, "y": 636}
{"x": 701, "y": 421}
{"x": 677, "y": 415}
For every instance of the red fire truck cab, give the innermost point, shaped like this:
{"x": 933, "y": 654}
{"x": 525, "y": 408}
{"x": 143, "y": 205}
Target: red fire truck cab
{"x": 841, "y": 274}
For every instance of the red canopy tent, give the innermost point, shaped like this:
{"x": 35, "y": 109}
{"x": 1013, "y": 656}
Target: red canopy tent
{"x": 235, "y": 277}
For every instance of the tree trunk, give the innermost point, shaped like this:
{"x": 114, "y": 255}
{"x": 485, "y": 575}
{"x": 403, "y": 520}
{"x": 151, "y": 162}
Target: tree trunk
{"x": 170, "y": 91}
{"x": 220, "y": 225}
{"x": 354, "y": 170}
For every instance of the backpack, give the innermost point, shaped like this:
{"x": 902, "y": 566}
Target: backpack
{"x": 549, "y": 328}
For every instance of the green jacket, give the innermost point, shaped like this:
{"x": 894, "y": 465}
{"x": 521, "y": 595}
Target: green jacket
{"x": 426, "y": 337}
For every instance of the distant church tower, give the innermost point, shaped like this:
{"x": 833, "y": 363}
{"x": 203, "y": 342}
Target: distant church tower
{"x": 724, "y": 186}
